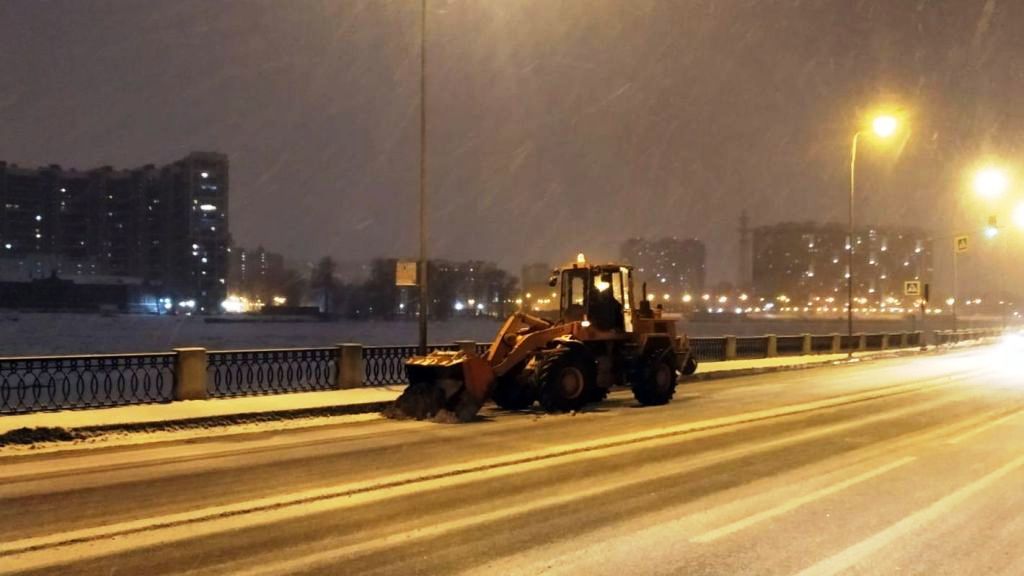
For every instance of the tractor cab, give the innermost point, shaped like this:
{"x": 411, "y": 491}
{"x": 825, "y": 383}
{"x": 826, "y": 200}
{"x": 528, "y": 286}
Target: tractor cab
{"x": 600, "y": 296}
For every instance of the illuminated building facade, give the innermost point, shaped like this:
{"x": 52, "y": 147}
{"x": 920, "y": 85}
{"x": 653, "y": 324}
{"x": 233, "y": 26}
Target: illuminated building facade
{"x": 671, "y": 266}
{"x": 167, "y": 226}
{"x": 806, "y": 262}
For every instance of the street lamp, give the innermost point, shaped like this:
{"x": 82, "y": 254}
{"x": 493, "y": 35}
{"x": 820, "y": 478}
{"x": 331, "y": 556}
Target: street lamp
{"x": 991, "y": 182}
{"x": 424, "y": 293}
{"x": 883, "y": 126}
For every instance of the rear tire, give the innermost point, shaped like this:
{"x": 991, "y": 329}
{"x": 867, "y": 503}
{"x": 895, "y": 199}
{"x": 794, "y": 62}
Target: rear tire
{"x": 598, "y": 394}
{"x": 513, "y": 393}
{"x": 690, "y": 366}
{"x": 657, "y": 381}
{"x": 565, "y": 380}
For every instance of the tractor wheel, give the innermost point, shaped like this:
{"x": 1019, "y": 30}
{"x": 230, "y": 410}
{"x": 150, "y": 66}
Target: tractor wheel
{"x": 564, "y": 380}
{"x": 598, "y": 394}
{"x": 513, "y": 393}
{"x": 657, "y": 379}
{"x": 690, "y": 367}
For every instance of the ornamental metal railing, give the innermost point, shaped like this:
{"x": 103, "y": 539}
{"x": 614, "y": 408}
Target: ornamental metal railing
{"x": 65, "y": 382}
{"x": 708, "y": 349}
{"x": 789, "y": 345}
{"x": 254, "y": 372}
{"x": 820, "y": 344}
{"x": 32, "y": 384}
{"x": 752, "y": 347}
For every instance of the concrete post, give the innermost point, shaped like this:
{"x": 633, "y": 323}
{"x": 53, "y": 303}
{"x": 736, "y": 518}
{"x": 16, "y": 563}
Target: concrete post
{"x": 837, "y": 343}
{"x": 350, "y": 366}
{"x": 806, "y": 349}
{"x": 467, "y": 346}
{"x": 190, "y": 374}
{"x": 730, "y": 347}
{"x": 773, "y": 346}
{"x": 885, "y": 341}
{"x": 862, "y": 342}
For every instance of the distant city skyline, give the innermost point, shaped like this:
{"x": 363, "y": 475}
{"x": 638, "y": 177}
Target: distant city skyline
{"x": 553, "y": 128}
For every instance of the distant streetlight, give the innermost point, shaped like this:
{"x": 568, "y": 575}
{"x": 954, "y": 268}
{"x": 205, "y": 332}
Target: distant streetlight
{"x": 991, "y": 182}
{"x": 1018, "y": 215}
{"x": 883, "y": 126}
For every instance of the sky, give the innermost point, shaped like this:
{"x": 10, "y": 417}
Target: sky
{"x": 553, "y": 126}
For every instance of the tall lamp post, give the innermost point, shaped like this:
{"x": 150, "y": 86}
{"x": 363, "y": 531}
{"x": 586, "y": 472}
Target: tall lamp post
{"x": 422, "y": 265}
{"x": 883, "y": 127}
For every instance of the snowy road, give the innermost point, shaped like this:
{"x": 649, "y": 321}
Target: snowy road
{"x": 910, "y": 464}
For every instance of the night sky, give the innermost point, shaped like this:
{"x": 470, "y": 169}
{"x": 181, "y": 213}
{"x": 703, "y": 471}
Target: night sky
{"x": 554, "y": 126}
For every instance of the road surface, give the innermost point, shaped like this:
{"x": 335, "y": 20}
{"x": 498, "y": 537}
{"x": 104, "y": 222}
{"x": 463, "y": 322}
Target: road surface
{"x": 910, "y": 465}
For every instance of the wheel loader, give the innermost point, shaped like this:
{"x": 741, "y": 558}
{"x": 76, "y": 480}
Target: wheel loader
{"x": 600, "y": 340}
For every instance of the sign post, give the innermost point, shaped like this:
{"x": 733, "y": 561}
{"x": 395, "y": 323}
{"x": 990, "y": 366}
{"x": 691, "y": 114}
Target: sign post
{"x": 405, "y": 273}
{"x": 920, "y": 291}
{"x": 960, "y": 245}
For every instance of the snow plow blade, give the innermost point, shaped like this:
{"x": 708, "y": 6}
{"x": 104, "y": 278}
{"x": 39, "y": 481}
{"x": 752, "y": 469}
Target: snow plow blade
{"x": 444, "y": 386}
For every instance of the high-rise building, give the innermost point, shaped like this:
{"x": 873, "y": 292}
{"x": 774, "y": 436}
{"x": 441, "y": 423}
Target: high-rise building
{"x": 672, "y": 266}
{"x": 167, "y": 226}
{"x": 807, "y": 261}
{"x": 255, "y": 273}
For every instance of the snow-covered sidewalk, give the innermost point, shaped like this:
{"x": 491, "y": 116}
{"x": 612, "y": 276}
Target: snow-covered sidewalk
{"x": 351, "y": 401}
{"x": 342, "y": 401}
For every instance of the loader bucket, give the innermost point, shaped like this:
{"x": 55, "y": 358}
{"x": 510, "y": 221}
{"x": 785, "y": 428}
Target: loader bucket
{"x": 447, "y": 386}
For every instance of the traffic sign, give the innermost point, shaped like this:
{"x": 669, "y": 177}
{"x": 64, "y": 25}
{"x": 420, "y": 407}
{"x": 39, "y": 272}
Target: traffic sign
{"x": 405, "y": 273}
{"x": 961, "y": 244}
{"x": 912, "y": 288}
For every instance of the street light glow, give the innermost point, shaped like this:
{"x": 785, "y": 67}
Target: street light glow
{"x": 885, "y": 126}
{"x": 991, "y": 182}
{"x": 991, "y": 231}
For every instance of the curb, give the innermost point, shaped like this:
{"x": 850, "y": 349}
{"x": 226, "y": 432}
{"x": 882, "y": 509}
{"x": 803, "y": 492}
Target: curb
{"x": 28, "y": 436}
{"x": 740, "y": 372}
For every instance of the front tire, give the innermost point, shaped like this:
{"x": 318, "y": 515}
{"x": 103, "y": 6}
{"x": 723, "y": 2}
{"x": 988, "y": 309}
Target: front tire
{"x": 514, "y": 393}
{"x": 690, "y": 367}
{"x": 656, "y": 384}
{"x": 564, "y": 380}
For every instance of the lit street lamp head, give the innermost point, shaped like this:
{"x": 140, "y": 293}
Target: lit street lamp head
{"x": 991, "y": 182}
{"x": 885, "y": 126}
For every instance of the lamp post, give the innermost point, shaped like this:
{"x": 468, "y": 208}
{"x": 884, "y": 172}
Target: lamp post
{"x": 424, "y": 304}
{"x": 883, "y": 126}
{"x": 991, "y": 183}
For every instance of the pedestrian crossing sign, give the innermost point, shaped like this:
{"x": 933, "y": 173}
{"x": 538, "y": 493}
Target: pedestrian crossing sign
{"x": 961, "y": 244}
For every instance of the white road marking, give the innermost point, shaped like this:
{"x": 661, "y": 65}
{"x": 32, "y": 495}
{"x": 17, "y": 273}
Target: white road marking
{"x": 980, "y": 429}
{"x": 39, "y": 551}
{"x": 797, "y": 502}
{"x": 854, "y": 554}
